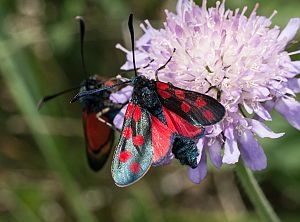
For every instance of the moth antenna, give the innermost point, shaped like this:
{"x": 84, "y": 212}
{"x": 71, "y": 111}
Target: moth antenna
{"x": 164, "y": 66}
{"x": 50, "y": 97}
{"x": 90, "y": 92}
{"x": 131, "y": 30}
{"x": 82, "y": 34}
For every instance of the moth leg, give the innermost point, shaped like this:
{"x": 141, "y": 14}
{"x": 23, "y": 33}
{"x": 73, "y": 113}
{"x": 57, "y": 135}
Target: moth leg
{"x": 104, "y": 111}
{"x": 146, "y": 66}
{"x": 163, "y": 66}
{"x": 99, "y": 117}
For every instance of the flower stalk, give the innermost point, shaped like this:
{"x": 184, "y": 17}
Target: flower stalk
{"x": 255, "y": 194}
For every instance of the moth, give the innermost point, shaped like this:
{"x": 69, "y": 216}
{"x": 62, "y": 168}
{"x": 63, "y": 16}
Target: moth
{"x": 160, "y": 118}
{"x": 98, "y": 112}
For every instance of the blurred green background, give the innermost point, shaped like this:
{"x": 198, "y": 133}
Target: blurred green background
{"x": 43, "y": 170}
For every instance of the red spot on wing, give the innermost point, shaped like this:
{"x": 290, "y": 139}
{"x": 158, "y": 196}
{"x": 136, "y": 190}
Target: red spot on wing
{"x": 109, "y": 83}
{"x": 129, "y": 110}
{"x": 200, "y": 102}
{"x": 138, "y": 140}
{"x": 162, "y": 86}
{"x": 127, "y": 132}
{"x": 125, "y": 156}
{"x": 185, "y": 107}
{"x": 179, "y": 94}
{"x": 208, "y": 115}
{"x": 135, "y": 167}
{"x": 164, "y": 94}
{"x": 137, "y": 113}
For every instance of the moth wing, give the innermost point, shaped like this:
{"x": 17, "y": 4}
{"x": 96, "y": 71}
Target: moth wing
{"x": 99, "y": 140}
{"x": 181, "y": 126}
{"x": 162, "y": 141}
{"x": 133, "y": 155}
{"x": 196, "y": 108}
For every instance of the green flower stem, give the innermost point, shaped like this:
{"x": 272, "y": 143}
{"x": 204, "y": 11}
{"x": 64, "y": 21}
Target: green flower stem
{"x": 255, "y": 194}
{"x": 14, "y": 69}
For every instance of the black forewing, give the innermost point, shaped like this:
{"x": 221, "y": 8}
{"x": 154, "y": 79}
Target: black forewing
{"x": 198, "y": 109}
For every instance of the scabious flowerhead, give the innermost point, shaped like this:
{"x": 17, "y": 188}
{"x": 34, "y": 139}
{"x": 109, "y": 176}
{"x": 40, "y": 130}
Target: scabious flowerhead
{"x": 241, "y": 59}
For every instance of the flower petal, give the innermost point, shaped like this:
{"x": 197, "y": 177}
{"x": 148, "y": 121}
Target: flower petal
{"x": 213, "y": 131}
{"x": 251, "y": 151}
{"x": 292, "y": 67}
{"x": 215, "y": 154}
{"x": 198, "y": 174}
{"x": 167, "y": 160}
{"x": 141, "y": 59}
{"x": 262, "y": 112}
{"x": 178, "y": 31}
{"x": 289, "y": 108}
{"x": 121, "y": 96}
{"x": 262, "y": 130}
{"x": 200, "y": 146}
{"x": 289, "y": 32}
{"x": 181, "y": 5}
{"x": 231, "y": 151}
{"x": 145, "y": 39}
{"x": 119, "y": 118}
{"x": 247, "y": 107}
{"x": 294, "y": 84}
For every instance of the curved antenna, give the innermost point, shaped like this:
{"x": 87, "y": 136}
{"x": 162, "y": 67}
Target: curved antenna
{"x": 163, "y": 66}
{"x": 82, "y": 32}
{"x": 131, "y": 30}
{"x": 90, "y": 92}
{"x": 50, "y": 97}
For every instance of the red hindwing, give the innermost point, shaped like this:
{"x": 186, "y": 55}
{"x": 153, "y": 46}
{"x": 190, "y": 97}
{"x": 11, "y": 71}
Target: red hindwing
{"x": 99, "y": 140}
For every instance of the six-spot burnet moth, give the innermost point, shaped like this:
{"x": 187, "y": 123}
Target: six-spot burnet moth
{"x": 98, "y": 112}
{"x": 159, "y": 116}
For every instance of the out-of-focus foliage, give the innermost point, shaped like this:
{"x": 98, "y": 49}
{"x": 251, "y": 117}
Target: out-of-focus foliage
{"x": 43, "y": 169}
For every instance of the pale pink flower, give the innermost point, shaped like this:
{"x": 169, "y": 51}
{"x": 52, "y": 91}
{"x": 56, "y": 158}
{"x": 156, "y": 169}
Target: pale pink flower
{"x": 243, "y": 57}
